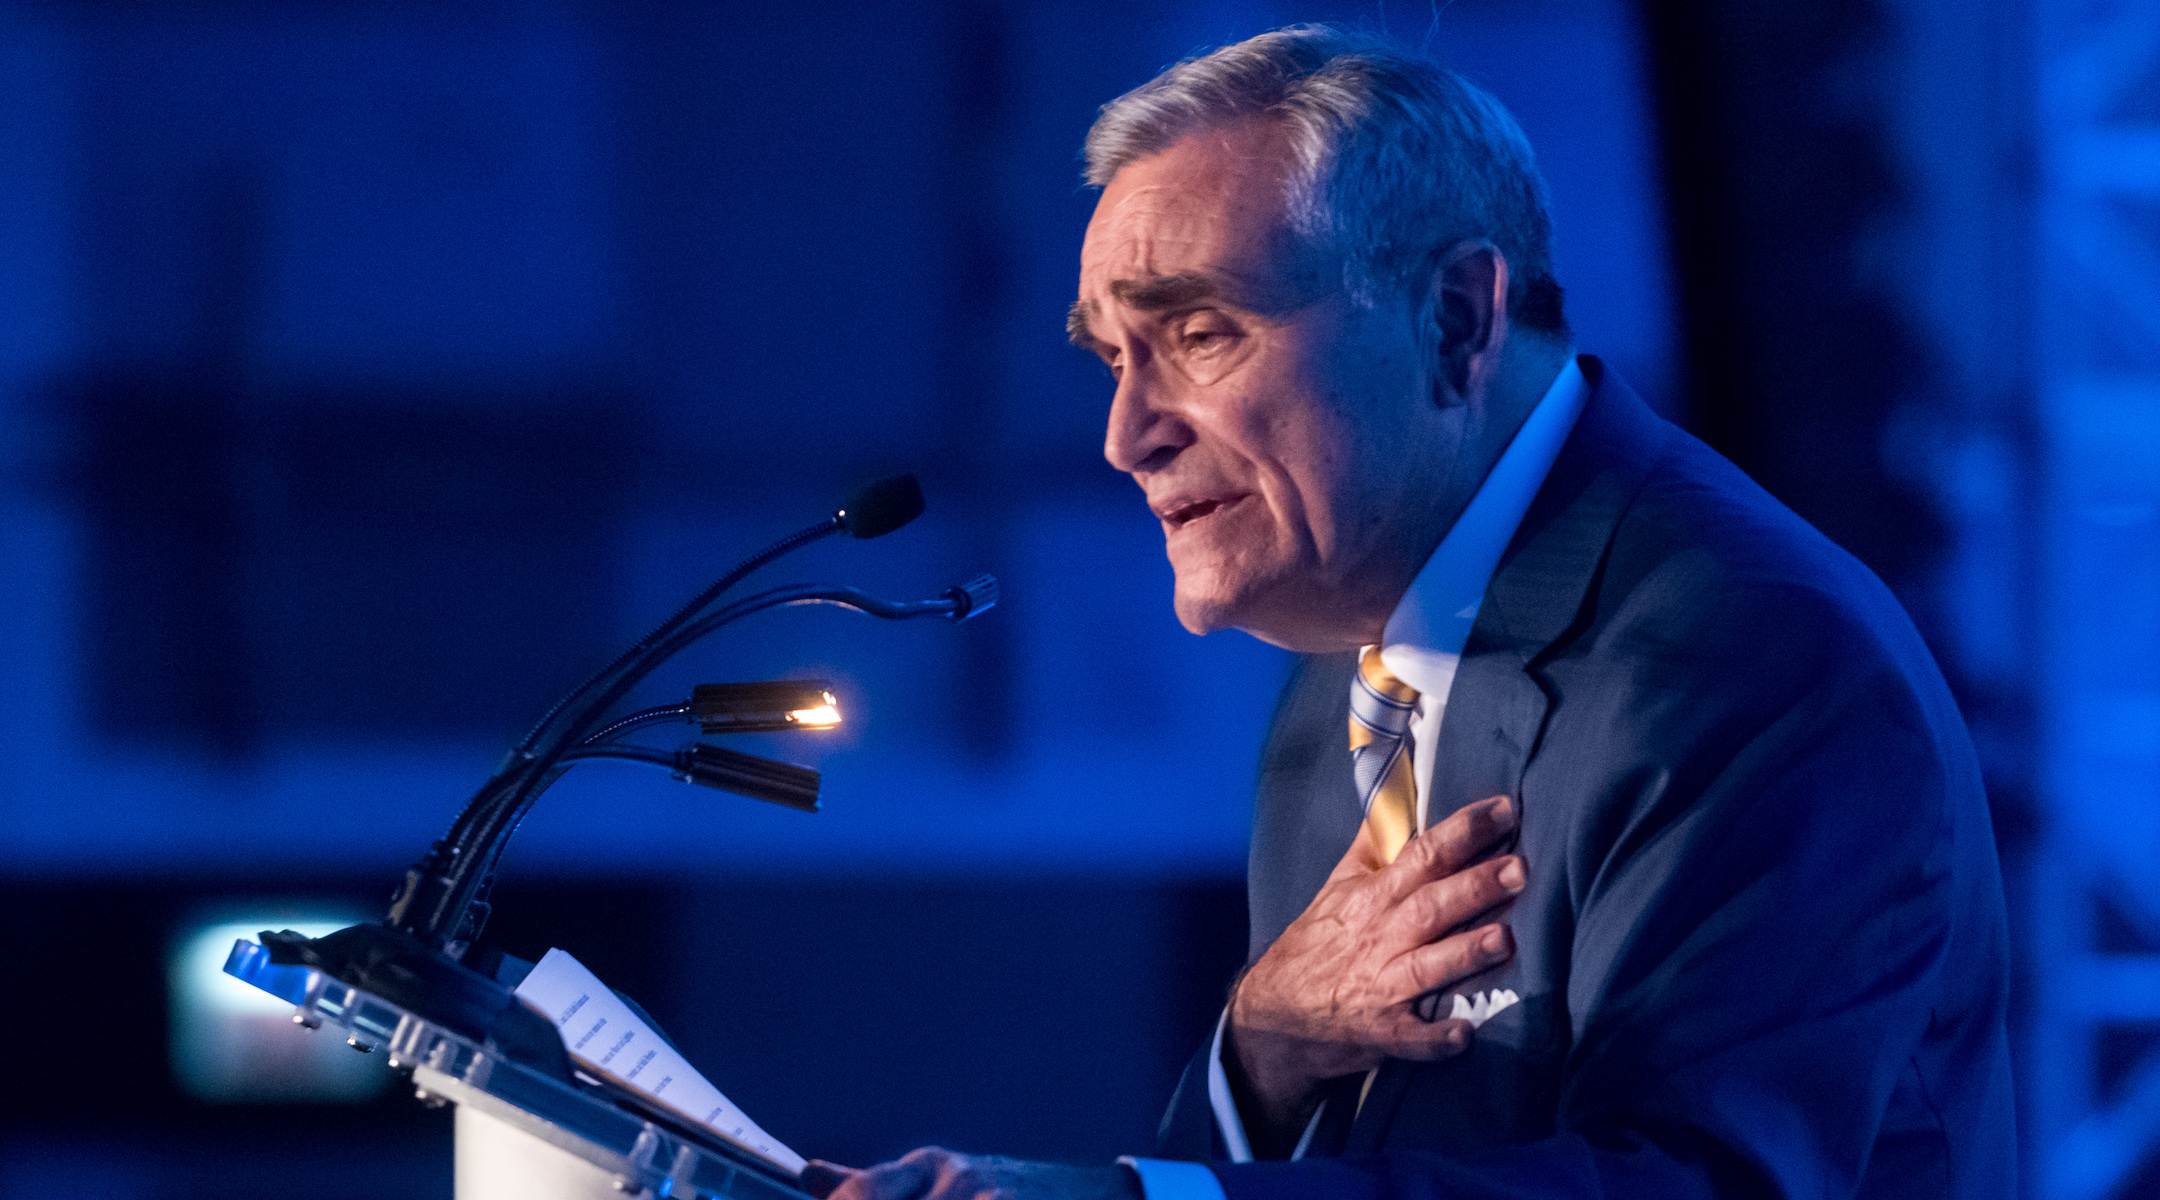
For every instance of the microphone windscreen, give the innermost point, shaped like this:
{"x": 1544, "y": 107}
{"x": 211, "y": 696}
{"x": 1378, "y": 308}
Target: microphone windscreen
{"x": 876, "y": 509}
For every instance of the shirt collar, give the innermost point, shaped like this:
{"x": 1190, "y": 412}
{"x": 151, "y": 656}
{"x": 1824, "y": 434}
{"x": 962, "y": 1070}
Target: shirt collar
{"x": 1425, "y": 635}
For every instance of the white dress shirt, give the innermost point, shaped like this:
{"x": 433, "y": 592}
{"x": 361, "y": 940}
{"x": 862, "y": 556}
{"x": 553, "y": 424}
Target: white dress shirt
{"x": 1421, "y": 645}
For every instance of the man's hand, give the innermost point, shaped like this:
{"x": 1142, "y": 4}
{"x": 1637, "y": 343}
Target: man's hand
{"x": 934, "y": 1174}
{"x": 1340, "y": 989}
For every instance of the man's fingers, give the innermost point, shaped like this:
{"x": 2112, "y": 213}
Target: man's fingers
{"x": 1437, "y": 852}
{"x": 892, "y": 1181}
{"x": 1450, "y": 902}
{"x": 1468, "y": 832}
{"x": 1450, "y": 960}
{"x": 1455, "y": 842}
{"x": 1406, "y": 1037}
{"x": 906, "y": 1179}
{"x": 820, "y": 1178}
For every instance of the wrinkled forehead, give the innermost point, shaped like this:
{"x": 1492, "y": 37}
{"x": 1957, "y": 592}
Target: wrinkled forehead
{"x": 1213, "y": 204}
{"x": 1162, "y": 228}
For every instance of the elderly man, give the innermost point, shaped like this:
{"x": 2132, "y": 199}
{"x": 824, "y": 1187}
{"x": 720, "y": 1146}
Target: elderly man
{"x": 1616, "y": 835}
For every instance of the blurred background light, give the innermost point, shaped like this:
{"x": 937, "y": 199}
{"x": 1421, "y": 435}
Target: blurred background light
{"x": 371, "y": 372}
{"x": 237, "y": 1044}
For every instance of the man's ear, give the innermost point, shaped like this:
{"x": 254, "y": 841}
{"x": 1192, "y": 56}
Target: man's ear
{"x": 1469, "y": 314}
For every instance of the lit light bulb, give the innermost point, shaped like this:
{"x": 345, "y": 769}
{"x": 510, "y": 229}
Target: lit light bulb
{"x": 824, "y": 716}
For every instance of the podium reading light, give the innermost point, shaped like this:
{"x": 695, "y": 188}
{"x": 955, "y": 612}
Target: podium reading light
{"x": 739, "y": 708}
{"x": 764, "y": 707}
{"x": 718, "y": 708}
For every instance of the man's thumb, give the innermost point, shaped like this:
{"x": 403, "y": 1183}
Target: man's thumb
{"x": 819, "y": 1177}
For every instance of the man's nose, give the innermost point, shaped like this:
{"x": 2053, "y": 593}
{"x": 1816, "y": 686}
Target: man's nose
{"x": 1145, "y": 433}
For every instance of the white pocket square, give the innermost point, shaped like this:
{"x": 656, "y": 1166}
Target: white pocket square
{"x": 1480, "y": 1010}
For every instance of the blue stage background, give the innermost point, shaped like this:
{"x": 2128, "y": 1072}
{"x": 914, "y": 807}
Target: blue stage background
{"x": 370, "y": 371}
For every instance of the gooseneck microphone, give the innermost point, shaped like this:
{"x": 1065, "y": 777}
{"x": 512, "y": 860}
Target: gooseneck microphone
{"x": 880, "y": 506}
{"x": 412, "y": 956}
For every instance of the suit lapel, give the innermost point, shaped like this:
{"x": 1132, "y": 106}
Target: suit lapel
{"x": 1538, "y": 596}
{"x": 1306, "y": 811}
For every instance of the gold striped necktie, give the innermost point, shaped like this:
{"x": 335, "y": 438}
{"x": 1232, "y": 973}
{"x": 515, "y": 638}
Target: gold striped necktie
{"x": 1380, "y": 707}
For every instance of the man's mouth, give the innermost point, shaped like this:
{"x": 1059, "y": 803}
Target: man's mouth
{"x": 1186, "y": 513}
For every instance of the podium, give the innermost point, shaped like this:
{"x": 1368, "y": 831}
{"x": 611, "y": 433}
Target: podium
{"x": 521, "y": 1132}
{"x": 530, "y": 1124}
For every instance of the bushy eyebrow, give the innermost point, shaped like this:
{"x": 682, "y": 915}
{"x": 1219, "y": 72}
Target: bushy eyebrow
{"x": 1148, "y": 295}
{"x": 1076, "y": 323}
{"x": 1163, "y": 291}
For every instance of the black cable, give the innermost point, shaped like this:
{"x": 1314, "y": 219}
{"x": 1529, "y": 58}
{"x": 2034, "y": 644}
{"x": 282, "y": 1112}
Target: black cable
{"x": 439, "y": 890}
{"x": 793, "y": 541}
{"x": 670, "y": 759}
{"x": 636, "y": 720}
{"x": 521, "y": 778}
{"x": 487, "y": 826}
{"x": 845, "y": 597}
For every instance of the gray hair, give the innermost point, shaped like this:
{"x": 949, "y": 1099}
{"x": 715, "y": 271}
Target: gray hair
{"x": 1396, "y": 157}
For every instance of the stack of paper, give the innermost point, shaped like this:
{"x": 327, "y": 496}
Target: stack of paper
{"x": 609, "y": 1042}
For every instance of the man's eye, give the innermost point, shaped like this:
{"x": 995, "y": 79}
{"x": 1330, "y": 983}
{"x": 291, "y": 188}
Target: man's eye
{"x": 1206, "y": 336}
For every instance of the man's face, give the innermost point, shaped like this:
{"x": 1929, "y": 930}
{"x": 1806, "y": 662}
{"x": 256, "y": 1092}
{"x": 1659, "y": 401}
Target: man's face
{"x": 1275, "y": 425}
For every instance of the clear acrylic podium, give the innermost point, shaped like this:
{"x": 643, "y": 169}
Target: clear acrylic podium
{"x": 520, "y": 1132}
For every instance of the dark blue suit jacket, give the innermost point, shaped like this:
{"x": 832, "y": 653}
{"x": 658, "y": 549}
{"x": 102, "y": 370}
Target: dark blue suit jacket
{"x": 1762, "y": 947}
